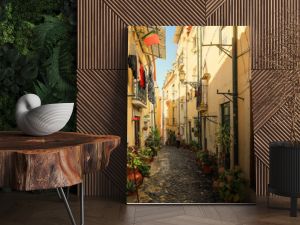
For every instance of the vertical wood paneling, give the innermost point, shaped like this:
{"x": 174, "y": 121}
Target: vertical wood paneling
{"x": 101, "y": 37}
{"x": 102, "y": 66}
{"x": 102, "y": 92}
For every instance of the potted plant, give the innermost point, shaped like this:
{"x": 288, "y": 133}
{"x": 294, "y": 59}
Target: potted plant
{"x": 199, "y": 156}
{"x": 194, "y": 146}
{"x": 223, "y": 142}
{"x": 147, "y": 154}
{"x": 209, "y": 162}
{"x": 133, "y": 173}
{"x": 144, "y": 169}
{"x": 153, "y": 140}
{"x": 230, "y": 185}
{"x": 146, "y": 121}
{"x": 130, "y": 187}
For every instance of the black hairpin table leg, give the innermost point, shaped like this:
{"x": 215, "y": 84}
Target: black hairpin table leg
{"x": 62, "y": 195}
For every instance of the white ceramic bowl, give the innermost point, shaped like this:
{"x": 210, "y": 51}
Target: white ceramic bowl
{"x": 40, "y": 120}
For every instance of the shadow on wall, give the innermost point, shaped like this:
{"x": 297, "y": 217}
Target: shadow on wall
{"x": 222, "y": 81}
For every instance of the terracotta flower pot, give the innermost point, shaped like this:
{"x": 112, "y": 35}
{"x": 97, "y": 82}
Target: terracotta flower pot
{"x": 129, "y": 193}
{"x": 135, "y": 176}
{"x": 207, "y": 169}
{"x": 221, "y": 170}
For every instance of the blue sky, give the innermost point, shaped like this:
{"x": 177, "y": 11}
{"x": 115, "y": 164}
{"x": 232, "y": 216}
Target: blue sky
{"x": 164, "y": 65}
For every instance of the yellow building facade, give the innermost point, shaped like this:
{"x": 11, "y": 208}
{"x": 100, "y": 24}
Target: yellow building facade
{"x": 158, "y": 110}
{"x": 198, "y": 91}
{"x": 218, "y": 94}
{"x": 187, "y": 70}
{"x": 169, "y": 105}
{"x": 140, "y": 110}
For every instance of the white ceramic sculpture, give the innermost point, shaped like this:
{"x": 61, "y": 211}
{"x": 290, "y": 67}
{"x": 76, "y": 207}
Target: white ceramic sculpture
{"x": 40, "y": 120}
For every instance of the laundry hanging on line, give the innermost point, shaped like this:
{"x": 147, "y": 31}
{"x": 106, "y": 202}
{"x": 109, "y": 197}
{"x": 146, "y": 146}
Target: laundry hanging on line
{"x": 151, "y": 88}
{"x": 142, "y": 77}
{"x": 132, "y": 63}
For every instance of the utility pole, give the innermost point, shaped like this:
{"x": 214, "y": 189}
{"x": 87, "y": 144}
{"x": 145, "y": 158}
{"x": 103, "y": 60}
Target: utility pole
{"x": 235, "y": 97}
{"x": 163, "y": 115}
{"x": 186, "y": 99}
{"x": 179, "y": 121}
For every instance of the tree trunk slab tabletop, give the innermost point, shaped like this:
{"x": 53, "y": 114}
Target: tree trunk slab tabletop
{"x": 57, "y": 160}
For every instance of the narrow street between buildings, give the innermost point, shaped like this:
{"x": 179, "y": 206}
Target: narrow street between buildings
{"x": 189, "y": 85}
{"x": 175, "y": 178}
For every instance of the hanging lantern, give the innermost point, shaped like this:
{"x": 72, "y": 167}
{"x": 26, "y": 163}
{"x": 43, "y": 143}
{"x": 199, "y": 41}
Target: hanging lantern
{"x": 151, "y": 38}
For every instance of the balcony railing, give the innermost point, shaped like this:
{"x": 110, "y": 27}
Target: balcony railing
{"x": 140, "y": 96}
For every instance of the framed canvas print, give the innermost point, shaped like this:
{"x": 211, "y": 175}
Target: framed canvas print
{"x": 189, "y": 129}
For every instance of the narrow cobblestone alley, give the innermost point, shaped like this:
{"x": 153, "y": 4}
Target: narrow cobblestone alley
{"x": 175, "y": 178}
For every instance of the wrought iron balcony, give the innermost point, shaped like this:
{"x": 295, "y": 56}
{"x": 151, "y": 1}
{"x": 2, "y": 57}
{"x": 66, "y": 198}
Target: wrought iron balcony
{"x": 140, "y": 96}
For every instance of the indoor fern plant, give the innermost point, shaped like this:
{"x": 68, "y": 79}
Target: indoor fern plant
{"x": 52, "y": 42}
{"x": 43, "y": 32}
{"x": 54, "y": 45}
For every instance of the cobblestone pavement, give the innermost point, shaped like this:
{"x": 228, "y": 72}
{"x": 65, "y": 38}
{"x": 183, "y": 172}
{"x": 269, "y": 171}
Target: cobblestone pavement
{"x": 175, "y": 178}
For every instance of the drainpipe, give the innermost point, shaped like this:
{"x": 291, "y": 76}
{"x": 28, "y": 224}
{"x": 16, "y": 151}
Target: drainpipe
{"x": 186, "y": 98}
{"x": 235, "y": 97}
{"x": 179, "y": 121}
{"x": 163, "y": 116}
{"x": 199, "y": 79}
{"x": 186, "y": 115}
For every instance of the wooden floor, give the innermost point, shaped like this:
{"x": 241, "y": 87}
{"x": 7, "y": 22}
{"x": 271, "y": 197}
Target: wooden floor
{"x": 46, "y": 209}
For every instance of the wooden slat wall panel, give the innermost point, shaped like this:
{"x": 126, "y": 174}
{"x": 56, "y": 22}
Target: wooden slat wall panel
{"x": 102, "y": 37}
{"x": 230, "y": 12}
{"x": 101, "y": 107}
{"x": 267, "y": 103}
{"x": 270, "y": 119}
{"x": 102, "y": 66}
{"x": 269, "y": 16}
{"x": 158, "y": 12}
{"x": 276, "y": 128}
{"x": 103, "y": 95}
{"x": 212, "y": 6}
{"x": 261, "y": 16}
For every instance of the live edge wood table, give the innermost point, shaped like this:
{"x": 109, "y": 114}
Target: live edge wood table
{"x": 52, "y": 162}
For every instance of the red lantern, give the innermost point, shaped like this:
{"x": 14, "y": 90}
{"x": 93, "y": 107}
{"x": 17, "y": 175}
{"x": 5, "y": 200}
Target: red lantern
{"x": 151, "y": 39}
